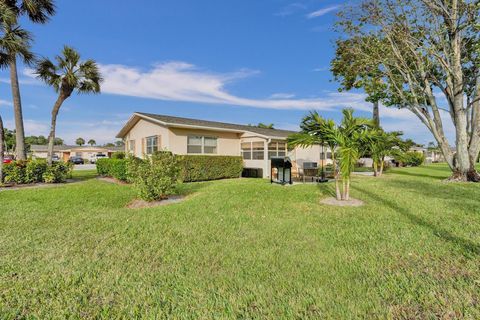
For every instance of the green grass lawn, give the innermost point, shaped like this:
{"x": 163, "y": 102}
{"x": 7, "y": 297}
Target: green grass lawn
{"x": 244, "y": 249}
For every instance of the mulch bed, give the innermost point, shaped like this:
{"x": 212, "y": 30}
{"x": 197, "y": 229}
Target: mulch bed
{"x": 139, "y": 204}
{"x": 342, "y": 203}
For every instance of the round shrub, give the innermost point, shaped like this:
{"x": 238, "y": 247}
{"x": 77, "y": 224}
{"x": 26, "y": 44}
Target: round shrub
{"x": 34, "y": 170}
{"x": 155, "y": 178}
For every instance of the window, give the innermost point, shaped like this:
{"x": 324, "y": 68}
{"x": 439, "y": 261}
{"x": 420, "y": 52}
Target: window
{"x": 194, "y": 144}
{"x": 246, "y": 150}
{"x": 276, "y": 149}
{"x": 209, "y": 145}
{"x": 201, "y": 144}
{"x": 151, "y": 144}
{"x": 257, "y": 151}
{"x": 253, "y": 150}
{"x": 131, "y": 145}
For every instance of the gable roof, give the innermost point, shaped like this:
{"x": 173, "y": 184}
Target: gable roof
{"x": 171, "y": 121}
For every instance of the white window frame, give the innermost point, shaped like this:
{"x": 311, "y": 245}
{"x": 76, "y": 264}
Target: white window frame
{"x": 252, "y": 151}
{"x": 154, "y": 146}
{"x": 202, "y": 144}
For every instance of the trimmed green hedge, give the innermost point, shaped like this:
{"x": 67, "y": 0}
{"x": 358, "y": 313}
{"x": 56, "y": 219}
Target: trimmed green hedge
{"x": 192, "y": 168}
{"x": 204, "y": 168}
{"x": 116, "y": 168}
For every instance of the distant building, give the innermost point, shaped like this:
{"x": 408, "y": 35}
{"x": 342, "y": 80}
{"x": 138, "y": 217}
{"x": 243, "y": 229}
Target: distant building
{"x": 64, "y": 152}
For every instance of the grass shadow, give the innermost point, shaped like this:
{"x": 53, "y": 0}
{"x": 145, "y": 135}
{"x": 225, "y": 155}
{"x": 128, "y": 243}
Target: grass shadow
{"x": 327, "y": 188}
{"x": 404, "y": 172}
{"x": 467, "y": 245}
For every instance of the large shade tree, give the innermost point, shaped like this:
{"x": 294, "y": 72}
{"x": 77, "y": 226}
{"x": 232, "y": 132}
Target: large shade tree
{"x": 37, "y": 11}
{"x": 428, "y": 51}
{"x": 69, "y": 74}
{"x": 354, "y": 72}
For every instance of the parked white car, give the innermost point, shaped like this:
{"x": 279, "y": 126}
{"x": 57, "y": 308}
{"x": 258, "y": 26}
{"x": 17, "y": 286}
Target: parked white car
{"x": 95, "y": 157}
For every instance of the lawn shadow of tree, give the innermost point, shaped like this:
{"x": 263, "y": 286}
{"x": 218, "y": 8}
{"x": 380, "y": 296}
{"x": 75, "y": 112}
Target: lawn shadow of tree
{"x": 468, "y": 245}
{"x": 418, "y": 174}
{"x": 327, "y": 189}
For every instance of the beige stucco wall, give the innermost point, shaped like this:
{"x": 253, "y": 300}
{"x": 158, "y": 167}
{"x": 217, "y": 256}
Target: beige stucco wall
{"x": 228, "y": 143}
{"x": 175, "y": 139}
{"x": 143, "y": 129}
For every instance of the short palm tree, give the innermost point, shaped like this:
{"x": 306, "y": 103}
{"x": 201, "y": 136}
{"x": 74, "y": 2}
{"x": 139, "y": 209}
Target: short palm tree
{"x": 92, "y": 142}
{"x": 80, "y": 141}
{"x": 37, "y": 11}
{"x": 68, "y": 75}
{"x": 344, "y": 141}
{"x": 381, "y": 144}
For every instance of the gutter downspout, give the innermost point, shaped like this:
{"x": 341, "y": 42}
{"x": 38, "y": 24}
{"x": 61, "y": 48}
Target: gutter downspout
{"x": 265, "y": 154}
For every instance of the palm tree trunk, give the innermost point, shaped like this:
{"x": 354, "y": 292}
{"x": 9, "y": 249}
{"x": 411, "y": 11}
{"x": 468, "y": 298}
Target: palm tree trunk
{"x": 347, "y": 190}
{"x": 375, "y": 168}
{"x": 51, "y": 136}
{"x": 376, "y": 114}
{"x": 338, "y": 194}
{"x": 1, "y": 149}
{"x": 344, "y": 187}
{"x": 17, "y": 108}
{"x": 382, "y": 164}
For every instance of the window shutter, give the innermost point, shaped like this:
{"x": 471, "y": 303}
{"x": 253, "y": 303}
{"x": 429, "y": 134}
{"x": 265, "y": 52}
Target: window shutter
{"x": 143, "y": 147}
{"x": 159, "y": 143}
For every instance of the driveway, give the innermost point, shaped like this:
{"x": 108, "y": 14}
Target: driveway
{"x": 85, "y": 167}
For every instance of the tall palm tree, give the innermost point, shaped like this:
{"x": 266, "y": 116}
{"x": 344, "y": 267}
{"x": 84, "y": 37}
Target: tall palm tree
{"x": 92, "y": 142}
{"x": 68, "y": 75}
{"x": 37, "y": 11}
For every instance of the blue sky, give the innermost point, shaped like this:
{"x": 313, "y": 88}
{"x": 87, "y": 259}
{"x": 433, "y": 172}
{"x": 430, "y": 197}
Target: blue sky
{"x": 241, "y": 61}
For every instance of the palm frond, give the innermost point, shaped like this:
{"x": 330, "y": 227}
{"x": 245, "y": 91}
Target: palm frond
{"x": 38, "y": 11}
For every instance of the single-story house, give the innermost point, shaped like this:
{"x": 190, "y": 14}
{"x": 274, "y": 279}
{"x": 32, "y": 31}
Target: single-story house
{"x": 145, "y": 133}
{"x": 64, "y": 152}
{"x": 431, "y": 155}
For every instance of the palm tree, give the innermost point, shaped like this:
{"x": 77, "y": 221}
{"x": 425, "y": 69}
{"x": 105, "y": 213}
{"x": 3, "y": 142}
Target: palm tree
{"x": 346, "y": 140}
{"x": 68, "y": 75}
{"x": 266, "y": 126}
{"x": 14, "y": 42}
{"x": 37, "y": 11}
{"x": 314, "y": 131}
{"x": 92, "y": 142}
{"x": 381, "y": 144}
{"x": 80, "y": 141}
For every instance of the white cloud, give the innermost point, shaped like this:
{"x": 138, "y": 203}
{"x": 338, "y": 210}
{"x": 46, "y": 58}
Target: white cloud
{"x": 322, "y": 12}
{"x": 5, "y": 103}
{"x": 281, "y": 95}
{"x": 321, "y": 69}
{"x": 291, "y": 9}
{"x": 180, "y": 81}
{"x": 32, "y": 127}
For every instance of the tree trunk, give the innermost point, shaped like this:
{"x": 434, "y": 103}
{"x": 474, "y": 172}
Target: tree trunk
{"x": 347, "y": 190}
{"x": 382, "y": 164}
{"x": 375, "y": 168}
{"x": 2, "y": 138}
{"x": 376, "y": 114}
{"x": 338, "y": 194}
{"x": 51, "y": 137}
{"x": 17, "y": 108}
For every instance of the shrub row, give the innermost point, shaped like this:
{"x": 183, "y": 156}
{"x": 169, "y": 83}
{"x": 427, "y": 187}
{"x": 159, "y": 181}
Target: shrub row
{"x": 204, "y": 168}
{"x": 35, "y": 171}
{"x": 192, "y": 168}
{"x": 410, "y": 158}
{"x": 116, "y": 168}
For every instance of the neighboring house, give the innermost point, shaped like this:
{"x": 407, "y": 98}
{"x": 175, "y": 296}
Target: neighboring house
{"x": 64, "y": 152}
{"x": 146, "y": 133}
{"x": 431, "y": 155}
